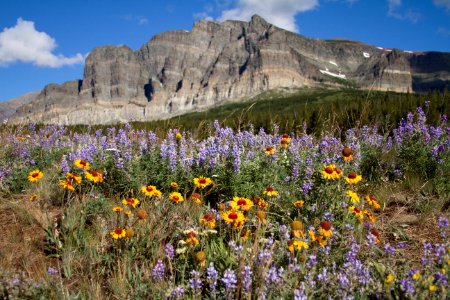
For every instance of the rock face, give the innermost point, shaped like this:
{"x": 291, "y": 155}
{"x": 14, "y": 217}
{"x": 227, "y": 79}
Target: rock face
{"x": 181, "y": 71}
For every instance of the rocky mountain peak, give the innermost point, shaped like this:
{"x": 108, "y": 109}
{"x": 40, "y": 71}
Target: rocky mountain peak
{"x": 180, "y": 71}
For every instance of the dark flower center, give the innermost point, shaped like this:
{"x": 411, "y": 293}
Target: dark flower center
{"x": 326, "y": 225}
{"x": 329, "y": 170}
{"x": 347, "y": 152}
{"x": 118, "y": 231}
{"x": 352, "y": 175}
{"x": 242, "y": 202}
{"x": 233, "y": 216}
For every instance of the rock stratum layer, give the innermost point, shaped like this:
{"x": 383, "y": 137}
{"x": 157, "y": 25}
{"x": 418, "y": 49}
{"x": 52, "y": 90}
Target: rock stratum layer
{"x": 181, "y": 71}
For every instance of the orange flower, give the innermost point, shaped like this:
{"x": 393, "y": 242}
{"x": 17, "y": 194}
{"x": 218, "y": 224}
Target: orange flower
{"x": 285, "y": 141}
{"x": 242, "y": 203}
{"x": 35, "y": 176}
{"x": 356, "y": 211}
{"x": 202, "y": 182}
{"x": 325, "y": 229}
{"x": 347, "y": 154}
{"x": 67, "y": 184}
{"x": 270, "y": 192}
{"x": 191, "y": 238}
{"x": 118, "y": 233}
{"x": 130, "y": 201}
{"x": 372, "y": 201}
{"x": 353, "y": 178}
{"x": 151, "y": 190}
{"x": 176, "y": 197}
{"x": 208, "y": 220}
{"x": 269, "y": 150}
{"x": 299, "y": 203}
{"x": 82, "y": 164}
{"x": 96, "y": 176}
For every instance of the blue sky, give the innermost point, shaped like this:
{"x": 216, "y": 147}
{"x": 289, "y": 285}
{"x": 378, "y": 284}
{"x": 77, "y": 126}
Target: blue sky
{"x": 45, "y": 41}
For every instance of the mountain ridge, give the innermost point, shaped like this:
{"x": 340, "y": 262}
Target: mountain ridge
{"x": 181, "y": 71}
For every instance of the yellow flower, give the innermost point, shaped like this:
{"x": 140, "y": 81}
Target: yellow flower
{"x": 232, "y": 216}
{"x": 128, "y": 213}
{"x": 370, "y": 215}
{"x": 347, "y": 154}
{"x": 35, "y": 176}
{"x": 356, "y": 211}
{"x": 260, "y": 202}
{"x": 299, "y": 244}
{"x": 317, "y": 238}
{"x": 176, "y": 197}
{"x": 325, "y": 229}
{"x": 118, "y": 233}
{"x": 285, "y": 141}
{"x": 129, "y": 233}
{"x": 191, "y": 238}
{"x": 389, "y": 279}
{"x": 197, "y": 198}
{"x": 242, "y": 203}
{"x": 73, "y": 177}
{"x": 291, "y": 246}
{"x": 202, "y": 182}
{"x": 208, "y": 220}
{"x": 416, "y": 276}
{"x": 262, "y": 216}
{"x": 269, "y": 150}
{"x": 200, "y": 257}
{"x": 372, "y": 201}
{"x": 117, "y": 209}
{"x": 299, "y": 203}
{"x": 130, "y": 201}
{"x": 270, "y": 192}
{"x": 33, "y": 198}
{"x": 353, "y": 196}
{"x": 66, "y": 184}
{"x": 174, "y": 184}
{"x": 432, "y": 288}
{"x": 297, "y": 229}
{"x": 329, "y": 172}
{"x": 96, "y": 176}
{"x": 245, "y": 234}
{"x": 353, "y": 178}
{"x": 178, "y": 135}
{"x": 82, "y": 164}
{"x": 151, "y": 190}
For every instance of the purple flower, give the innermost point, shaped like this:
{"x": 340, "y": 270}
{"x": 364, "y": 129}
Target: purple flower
{"x": 407, "y": 286}
{"x": 177, "y": 293}
{"x": 169, "y": 251}
{"x": 229, "y": 280}
{"x": 247, "y": 273}
{"x": 52, "y": 271}
{"x": 273, "y": 275}
{"x": 195, "y": 281}
{"x": 443, "y": 225}
{"x": 212, "y": 277}
{"x": 388, "y": 249}
{"x": 158, "y": 271}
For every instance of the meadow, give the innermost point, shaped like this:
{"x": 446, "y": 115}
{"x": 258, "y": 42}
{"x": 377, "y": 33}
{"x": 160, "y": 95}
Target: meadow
{"x": 332, "y": 208}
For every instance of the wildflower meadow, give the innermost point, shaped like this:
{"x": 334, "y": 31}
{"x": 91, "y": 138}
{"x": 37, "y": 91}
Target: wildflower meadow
{"x": 121, "y": 213}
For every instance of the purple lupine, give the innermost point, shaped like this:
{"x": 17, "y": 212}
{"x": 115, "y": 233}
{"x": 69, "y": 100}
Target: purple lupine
{"x": 427, "y": 250}
{"x": 274, "y": 275}
{"x": 195, "y": 282}
{"x": 236, "y": 158}
{"x": 229, "y": 280}
{"x": 439, "y": 251}
{"x": 212, "y": 276}
{"x": 343, "y": 280}
{"x": 312, "y": 261}
{"x": 408, "y": 287}
{"x": 443, "y": 226}
{"x": 247, "y": 274}
{"x": 64, "y": 165}
{"x": 169, "y": 251}
{"x": 52, "y": 271}
{"x": 177, "y": 293}
{"x": 158, "y": 271}
{"x": 323, "y": 275}
{"x": 388, "y": 249}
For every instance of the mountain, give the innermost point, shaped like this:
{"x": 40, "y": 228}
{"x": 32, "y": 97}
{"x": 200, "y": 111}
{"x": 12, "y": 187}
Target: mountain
{"x": 181, "y": 71}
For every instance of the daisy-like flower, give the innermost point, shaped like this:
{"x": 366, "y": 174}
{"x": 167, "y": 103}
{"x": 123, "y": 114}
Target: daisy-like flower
{"x": 142, "y": 214}
{"x": 174, "y": 185}
{"x": 290, "y": 244}
{"x": 245, "y": 234}
{"x": 151, "y": 191}
{"x": 202, "y": 182}
{"x": 67, "y": 185}
{"x": 82, "y": 164}
{"x": 208, "y": 220}
{"x": 347, "y": 154}
{"x": 377, "y": 234}
{"x": 118, "y": 233}
{"x": 129, "y": 233}
{"x": 200, "y": 258}
{"x": 317, "y": 238}
{"x": 325, "y": 229}
{"x": 191, "y": 238}
{"x": 299, "y": 245}
{"x": 130, "y": 201}
{"x": 35, "y": 176}
{"x": 128, "y": 213}
{"x": 242, "y": 203}
{"x": 285, "y": 141}
{"x": 417, "y": 276}
{"x": 298, "y": 203}
{"x": 232, "y": 216}
{"x": 369, "y": 215}
{"x": 176, "y": 197}
{"x": 372, "y": 201}
{"x": 260, "y": 203}
{"x": 74, "y": 177}
{"x": 353, "y": 178}
{"x": 389, "y": 279}
{"x": 197, "y": 198}
{"x": 270, "y": 192}
{"x": 269, "y": 150}
{"x": 33, "y": 198}
{"x": 353, "y": 196}
{"x": 356, "y": 211}
{"x": 329, "y": 172}
{"x": 297, "y": 229}
{"x": 117, "y": 209}
{"x": 96, "y": 176}
{"x": 261, "y": 216}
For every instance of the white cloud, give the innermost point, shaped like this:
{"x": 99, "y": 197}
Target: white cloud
{"x": 23, "y": 43}
{"x": 140, "y": 20}
{"x": 444, "y": 3}
{"x": 278, "y": 12}
{"x": 410, "y": 15}
{"x": 443, "y": 32}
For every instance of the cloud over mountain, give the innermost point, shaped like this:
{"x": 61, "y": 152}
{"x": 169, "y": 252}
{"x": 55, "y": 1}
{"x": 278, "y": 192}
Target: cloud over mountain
{"x": 23, "y": 43}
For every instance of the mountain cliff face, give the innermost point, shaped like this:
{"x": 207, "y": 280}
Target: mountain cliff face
{"x": 181, "y": 71}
